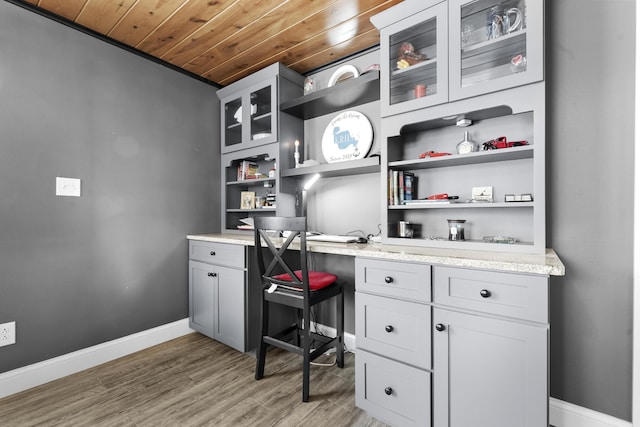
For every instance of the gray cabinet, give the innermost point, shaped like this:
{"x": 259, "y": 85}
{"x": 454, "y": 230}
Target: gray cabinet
{"x": 457, "y": 77}
{"x": 490, "y": 349}
{"x": 393, "y": 339}
{"x": 438, "y": 51}
{"x": 256, "y": 134}
{"x": 510, "y": 54}
{"x": 474, "y": 354}
{"x": 218, "y": 292}
{"x": 250, "y": 109}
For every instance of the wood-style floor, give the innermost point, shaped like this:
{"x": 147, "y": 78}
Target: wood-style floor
{"x": 191, "y": 381}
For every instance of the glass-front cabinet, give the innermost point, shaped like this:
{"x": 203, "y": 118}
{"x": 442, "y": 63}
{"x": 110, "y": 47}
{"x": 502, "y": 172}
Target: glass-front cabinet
{"x": 414, "y": 61}
{"x": 494, "y": 45}
{"x": 434, "y": 52}
{"x": 250, "y": 117}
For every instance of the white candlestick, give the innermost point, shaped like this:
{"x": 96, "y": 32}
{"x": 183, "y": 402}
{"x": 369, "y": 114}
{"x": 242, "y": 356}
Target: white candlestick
{"x": 296, "y": 154}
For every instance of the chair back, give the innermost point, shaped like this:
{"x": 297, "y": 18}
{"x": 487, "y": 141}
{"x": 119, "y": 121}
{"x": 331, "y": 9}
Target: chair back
{"x": 271, "y": 260}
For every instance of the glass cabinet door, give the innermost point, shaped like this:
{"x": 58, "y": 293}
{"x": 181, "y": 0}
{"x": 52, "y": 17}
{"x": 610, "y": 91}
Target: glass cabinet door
{"x": 263, "y": 115}
{"x": 494, "y": 45}
{"x": 250, "y": 118}
{"x": 232, "y": 123}
{"x": 414, "y": 61}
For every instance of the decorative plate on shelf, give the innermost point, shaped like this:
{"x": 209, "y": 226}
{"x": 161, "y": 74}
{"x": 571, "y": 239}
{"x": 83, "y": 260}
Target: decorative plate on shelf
{"x": 348, "y": 136}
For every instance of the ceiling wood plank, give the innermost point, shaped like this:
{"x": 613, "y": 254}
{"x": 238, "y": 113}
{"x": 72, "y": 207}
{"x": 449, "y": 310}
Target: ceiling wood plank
{"x": 271, "y": 35}
{"x": 69, "y": 9}
{"x": 183, "y": 23}
{"x": 218, "y": 29}
{"x": 101, "y": 15}
{"x": 143, "y": 18}
{"x": 319, "y": 39}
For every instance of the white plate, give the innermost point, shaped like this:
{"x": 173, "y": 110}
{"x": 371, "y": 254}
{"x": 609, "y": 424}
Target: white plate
{"x": 238, "y": 113}
{"x": 348, "y": 136}
{"x": 342, "y": 73}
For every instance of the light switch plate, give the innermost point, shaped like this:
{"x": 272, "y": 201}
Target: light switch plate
{"x": 67, "y": 186}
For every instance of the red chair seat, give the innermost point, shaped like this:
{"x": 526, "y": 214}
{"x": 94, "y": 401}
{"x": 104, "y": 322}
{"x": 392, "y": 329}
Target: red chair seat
{"x": 317, "y": 279}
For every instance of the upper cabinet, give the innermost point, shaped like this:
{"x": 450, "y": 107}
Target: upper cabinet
{"x": 494, "y": 45}
{"x": 413, "y": 56}
{"x": 251, "y": 108}
{"x": 256, "y": 139}
{"x": 439, "y": 51}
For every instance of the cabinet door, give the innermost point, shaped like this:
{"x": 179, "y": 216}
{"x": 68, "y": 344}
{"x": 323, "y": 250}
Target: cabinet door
{"x": 250, "y": 117}
{"x": 229, "y": 302}
{"x": 488, "y": 372}
{"x": 202, "y": 287}
{"x": 494, "y": 46}
{"x": 413, "y": 69}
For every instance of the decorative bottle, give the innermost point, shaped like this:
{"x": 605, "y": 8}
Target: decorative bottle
{"x": 466, "y": 145}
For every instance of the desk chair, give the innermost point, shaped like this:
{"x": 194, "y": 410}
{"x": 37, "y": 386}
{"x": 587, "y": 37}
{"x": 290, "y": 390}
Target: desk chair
{"x": 294, "y": 286}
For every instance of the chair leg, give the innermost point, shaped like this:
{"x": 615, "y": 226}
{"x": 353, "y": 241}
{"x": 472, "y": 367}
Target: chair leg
{"x": 306, "y": 357}
{"x": 340, "y": 330}
{"x": 262, "y": 347}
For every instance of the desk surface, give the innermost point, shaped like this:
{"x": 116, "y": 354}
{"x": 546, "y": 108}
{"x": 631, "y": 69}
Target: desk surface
{"x": 547, "y": 264}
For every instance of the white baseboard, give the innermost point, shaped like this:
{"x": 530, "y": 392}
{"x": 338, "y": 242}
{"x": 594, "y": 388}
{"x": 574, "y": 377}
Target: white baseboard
{"x": 564, "y": 414}
{"x": 349, "y": 339}
{"x": 42, "y": 372}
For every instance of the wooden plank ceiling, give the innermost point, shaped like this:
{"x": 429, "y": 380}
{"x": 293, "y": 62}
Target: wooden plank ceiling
{"x": 225, "y": 40}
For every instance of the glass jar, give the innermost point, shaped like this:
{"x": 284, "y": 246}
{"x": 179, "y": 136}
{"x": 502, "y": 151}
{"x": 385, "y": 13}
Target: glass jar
{"x": 456, "y": 229}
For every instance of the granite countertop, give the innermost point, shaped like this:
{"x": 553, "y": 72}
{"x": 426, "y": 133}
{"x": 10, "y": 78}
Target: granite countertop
{"x": 546, "y": 264}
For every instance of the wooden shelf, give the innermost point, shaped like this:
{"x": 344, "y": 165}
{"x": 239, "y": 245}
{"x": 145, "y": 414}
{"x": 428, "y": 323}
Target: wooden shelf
{"x": 347, "y": 94}
{"x": 352, "y": 167}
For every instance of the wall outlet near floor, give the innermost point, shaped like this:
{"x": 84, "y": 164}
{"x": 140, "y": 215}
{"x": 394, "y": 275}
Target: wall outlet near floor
{"x": 7, "y": 333}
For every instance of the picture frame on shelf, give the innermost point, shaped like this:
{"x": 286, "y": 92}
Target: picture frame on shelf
{"x": 247, "y": 200}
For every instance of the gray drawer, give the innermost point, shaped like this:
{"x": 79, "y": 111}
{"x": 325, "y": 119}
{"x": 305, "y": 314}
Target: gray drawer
{"x": 505, "y": 294}
{"x": 217, "y": 253}
{"x": 394, "y": 278}
{"x": 393, "y": 328}
{"x": 393, "y": 392}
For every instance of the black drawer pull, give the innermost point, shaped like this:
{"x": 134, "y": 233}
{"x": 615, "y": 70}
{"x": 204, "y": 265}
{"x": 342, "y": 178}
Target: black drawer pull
{"x": 388, "y": 279}
{"x": 212, "y": 253}
{"x": 485, "y": 293}
{"x": 388, "y": 328}
{"x": 440, "y": 327}
{"x": 212, "y": 274}
{"x": 388, "y": 391}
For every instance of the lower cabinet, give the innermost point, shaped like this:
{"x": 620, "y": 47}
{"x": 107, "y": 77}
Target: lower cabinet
{"x": 490, "y": 348}
{"x": 218, "y": 293}
{"x": 488, "y": 372}
{"x": 474, "y": 354}
{"x": 393, "y": 340}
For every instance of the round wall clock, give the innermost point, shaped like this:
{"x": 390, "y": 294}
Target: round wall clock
{"x": 348, "y": 136}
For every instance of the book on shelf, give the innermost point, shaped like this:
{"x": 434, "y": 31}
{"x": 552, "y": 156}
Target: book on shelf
{"x": 401, "y": 187}
{"x": 247, "y": 170}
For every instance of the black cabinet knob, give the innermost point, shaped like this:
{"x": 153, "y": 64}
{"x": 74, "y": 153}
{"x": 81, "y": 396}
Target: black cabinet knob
{"x": 211, "y": 274}
{"x": 440, "y": 327}
{"x": 212, "y": 253}
{"x": 388, "y": 391}
{"x": 388, "y": 279}
{"x": 388, "y": 328}
{"x": 485, "y": 293}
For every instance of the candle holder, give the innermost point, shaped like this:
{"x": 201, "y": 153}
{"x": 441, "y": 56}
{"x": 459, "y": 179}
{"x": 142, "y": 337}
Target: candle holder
{"x": 296, "y": 153}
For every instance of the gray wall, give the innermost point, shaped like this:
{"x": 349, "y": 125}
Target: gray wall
{"x": 75, "y": 272}
{"x": 590, "y": 139}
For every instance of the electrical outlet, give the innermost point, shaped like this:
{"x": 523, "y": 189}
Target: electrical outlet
{"x": 7, "y": 333}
